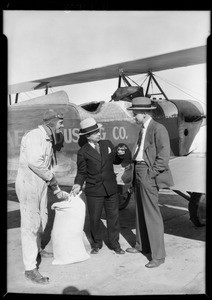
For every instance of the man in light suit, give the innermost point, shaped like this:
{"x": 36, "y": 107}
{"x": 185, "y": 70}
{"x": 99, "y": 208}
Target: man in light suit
{"x": 95, "y": 162}
{"x": 151, "y": 172}
{"x": 35, "y": 175}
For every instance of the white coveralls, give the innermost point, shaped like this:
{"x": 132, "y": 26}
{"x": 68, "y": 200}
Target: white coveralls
{"x": 35, "y": 169}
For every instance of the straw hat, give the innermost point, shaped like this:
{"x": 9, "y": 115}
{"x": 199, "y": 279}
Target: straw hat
{"x": 141, "y": 103}
{"x": 88, "y": 125}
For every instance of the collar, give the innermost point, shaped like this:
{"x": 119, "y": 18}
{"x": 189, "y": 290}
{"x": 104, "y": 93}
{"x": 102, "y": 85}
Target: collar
{"x": 145, "y": 125}
{"x": 92, "y": 144}
{"x": 45, "y": 129}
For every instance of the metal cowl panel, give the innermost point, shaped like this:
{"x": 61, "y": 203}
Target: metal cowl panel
{"x": 189, "y": 108}
{"x": 182, "y": 119}
{"x": 165, "y": 109}
{"x": 190, "y": 115}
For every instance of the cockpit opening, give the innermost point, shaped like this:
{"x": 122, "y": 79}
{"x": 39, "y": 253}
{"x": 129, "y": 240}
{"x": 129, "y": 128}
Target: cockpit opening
{"x": 92, "y": 106}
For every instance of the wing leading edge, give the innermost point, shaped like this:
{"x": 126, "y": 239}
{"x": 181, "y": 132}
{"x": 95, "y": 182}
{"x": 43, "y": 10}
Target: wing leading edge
{"x": 176, "y": 59}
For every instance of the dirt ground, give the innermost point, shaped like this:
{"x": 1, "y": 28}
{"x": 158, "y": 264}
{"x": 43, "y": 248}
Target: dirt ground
{"x": 108, "y": 273}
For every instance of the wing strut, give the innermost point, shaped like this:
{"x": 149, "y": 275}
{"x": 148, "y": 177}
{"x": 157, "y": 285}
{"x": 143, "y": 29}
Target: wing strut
{"x": 151, "y": 77}
{"x": 16, "y": 98}
{"x": 46, "y": 90}
{"x": 147, "y": 94}
{"x": 122, "y": 76}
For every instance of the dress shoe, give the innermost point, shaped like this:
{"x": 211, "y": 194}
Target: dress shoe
{"x": 94, "y": 250}
{"x": 119, "y": 251}
{"x": 44, "y": 253}
{"x": 36, "y": 277}
{"x": 132, "y": 250}
{"x": 155, "y": 263}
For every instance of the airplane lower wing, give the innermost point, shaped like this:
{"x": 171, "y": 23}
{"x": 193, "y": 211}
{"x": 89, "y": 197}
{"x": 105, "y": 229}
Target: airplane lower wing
{"x": 189, "y": 174}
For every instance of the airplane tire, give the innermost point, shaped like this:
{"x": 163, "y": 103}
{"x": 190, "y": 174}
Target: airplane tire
{"x": 124, "y": 195}
{"x": 197, "y": 209}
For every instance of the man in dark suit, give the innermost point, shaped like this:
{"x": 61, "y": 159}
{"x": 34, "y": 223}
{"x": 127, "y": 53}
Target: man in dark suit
{"x": 151, "y": 172}
{"x": 95, "y": 162}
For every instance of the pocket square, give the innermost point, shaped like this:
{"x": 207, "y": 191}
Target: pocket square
{"x": 109, "y": 150}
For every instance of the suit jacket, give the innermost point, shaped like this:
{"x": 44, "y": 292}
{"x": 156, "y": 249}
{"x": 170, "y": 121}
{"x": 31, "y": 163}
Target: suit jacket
{"x": 157, "y": 153}
{"x": 97, "y": 169}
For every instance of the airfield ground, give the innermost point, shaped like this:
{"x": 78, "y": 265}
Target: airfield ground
{"x": 108, "y": 273}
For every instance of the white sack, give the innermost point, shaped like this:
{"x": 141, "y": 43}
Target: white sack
{"x": 67, "y": 232}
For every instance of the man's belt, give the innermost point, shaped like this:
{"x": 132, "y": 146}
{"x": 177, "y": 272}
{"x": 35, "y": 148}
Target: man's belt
{"x": 139, "y": 162}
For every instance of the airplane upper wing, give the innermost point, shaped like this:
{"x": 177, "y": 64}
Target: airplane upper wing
{"x": 176, "y": 59}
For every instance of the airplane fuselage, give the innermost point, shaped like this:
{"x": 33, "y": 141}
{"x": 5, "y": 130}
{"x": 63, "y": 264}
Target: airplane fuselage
{"x": 118, "y": 126}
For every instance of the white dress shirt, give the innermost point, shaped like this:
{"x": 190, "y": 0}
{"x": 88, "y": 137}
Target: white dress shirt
{"x": 92, "y": 144}
{"x": 139, "y": 156}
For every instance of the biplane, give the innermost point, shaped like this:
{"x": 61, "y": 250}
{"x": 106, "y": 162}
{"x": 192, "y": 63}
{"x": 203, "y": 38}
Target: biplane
{"x": 183, "y": 119}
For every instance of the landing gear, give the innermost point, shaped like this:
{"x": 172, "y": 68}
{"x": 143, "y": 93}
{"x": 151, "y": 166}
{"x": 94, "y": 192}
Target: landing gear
{"x": 197, "y": 209}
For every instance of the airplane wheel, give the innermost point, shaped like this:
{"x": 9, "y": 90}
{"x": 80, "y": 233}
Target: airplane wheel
{"x": 197, "y": 209}
{"x": 124, "y": 194}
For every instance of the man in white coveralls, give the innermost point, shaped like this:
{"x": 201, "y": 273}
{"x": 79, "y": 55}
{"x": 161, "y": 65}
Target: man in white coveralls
{"x": 35, "y": 175}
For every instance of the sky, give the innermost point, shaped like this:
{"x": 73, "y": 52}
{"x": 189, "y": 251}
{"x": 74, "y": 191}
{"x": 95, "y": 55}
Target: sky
{"x": 50, "y": 43}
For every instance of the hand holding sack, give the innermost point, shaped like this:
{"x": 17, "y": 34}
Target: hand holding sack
{"x": 75, "y": 189}
{"x": 62, "y": 195}
{"x": 53, "y": 185}
{"x": 67, "y": 232}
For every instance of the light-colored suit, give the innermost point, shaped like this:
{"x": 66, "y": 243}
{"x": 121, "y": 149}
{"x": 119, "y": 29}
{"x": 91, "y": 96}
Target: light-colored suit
{"x": 35, "y": 170}
{"x": 148, "y": 179}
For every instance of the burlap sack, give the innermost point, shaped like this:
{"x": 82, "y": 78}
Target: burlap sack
{"x": 67, "y": 233}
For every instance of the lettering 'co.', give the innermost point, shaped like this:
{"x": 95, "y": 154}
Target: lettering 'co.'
{"x": 70, "y": 135}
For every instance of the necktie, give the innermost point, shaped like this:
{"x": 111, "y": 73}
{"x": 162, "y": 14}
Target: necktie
{"x": 97, "y": 147}
{"x": 138, "y": 143}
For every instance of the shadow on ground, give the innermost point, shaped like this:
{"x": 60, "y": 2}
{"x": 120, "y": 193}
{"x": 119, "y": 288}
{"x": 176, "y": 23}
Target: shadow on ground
{"x": 176, "y": 220}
